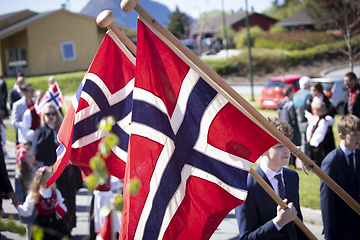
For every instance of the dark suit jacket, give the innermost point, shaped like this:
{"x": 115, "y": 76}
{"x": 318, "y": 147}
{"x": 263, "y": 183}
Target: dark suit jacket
{"x": 3, "y": 94}
{"x": 356, "y": 106}
{"x": 340, "y": 221}
{"x": 5, "y": 185}
{"x": 13, "y": 97}
{"x": 44, "y": 145}
{"x": 255, "y": 215}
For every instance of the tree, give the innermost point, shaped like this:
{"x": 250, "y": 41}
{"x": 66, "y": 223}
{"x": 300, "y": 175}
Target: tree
{"x": 210, "y": 14}
{"x": 343, "y": 15}
{"x": 230, "y": 32}
{"x": 281, "y": 10}
{"x": 284, "y": 3}
{"x": 179, "y": 24}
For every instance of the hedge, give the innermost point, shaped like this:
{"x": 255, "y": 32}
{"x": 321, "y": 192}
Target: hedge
{"x": 298, "y": 40}
{"x": 266, "y": 60}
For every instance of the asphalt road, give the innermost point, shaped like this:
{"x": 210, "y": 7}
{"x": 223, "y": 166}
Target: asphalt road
{"x": 341, "y": 71}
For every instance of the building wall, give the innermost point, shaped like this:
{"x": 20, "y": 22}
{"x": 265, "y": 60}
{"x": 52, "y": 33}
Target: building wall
{"x": 45, "y": 37}
{"x": 255, "y": 20}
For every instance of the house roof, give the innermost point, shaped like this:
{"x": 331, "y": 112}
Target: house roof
{"x": 8, "y": 15}
{"x": 212, "y": 25}
{"x": 23, "y": 23}
{"x": 18, "y": 26}
{"x": 14, "y": 17}
{"x": 299, "y": 18}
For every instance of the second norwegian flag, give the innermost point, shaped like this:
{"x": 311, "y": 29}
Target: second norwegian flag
{"x": 106, "y": 90}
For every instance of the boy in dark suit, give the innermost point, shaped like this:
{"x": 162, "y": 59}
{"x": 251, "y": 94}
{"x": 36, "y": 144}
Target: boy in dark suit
{"x": 343, "y": 166}
{"x": 259, "y": 217}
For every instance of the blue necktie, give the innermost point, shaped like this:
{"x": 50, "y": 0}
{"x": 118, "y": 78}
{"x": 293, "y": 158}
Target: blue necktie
{"x": 352, "y": 167}
{"x": 282, "y": 193}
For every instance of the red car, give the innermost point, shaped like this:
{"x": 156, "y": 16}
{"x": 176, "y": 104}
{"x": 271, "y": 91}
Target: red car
{"x": 271, "y": 93}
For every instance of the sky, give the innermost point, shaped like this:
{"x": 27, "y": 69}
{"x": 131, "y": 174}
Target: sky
{"x": 191, "y": 7}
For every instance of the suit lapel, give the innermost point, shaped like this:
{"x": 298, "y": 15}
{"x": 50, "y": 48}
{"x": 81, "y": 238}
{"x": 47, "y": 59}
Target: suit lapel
{"x": 357, "y": 92}
{"x": 263, "y": 175}
{"x": 357, "y": 156}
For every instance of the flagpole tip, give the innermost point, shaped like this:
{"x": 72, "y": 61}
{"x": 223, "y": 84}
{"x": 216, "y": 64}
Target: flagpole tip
{"x": 128, "y": 5}
{"x": 105, "y": 18}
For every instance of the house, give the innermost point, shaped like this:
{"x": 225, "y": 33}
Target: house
{"x": 49, "y": 42}
{"x": 299, "y": 20}
{"x": 236, "y": 20}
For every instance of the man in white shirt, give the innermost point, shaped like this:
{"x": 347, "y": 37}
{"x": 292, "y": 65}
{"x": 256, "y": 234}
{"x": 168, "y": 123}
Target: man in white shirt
{"x": 28, "y": 127}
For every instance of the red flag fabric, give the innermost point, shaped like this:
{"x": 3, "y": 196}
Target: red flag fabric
{"x": 52, "y": 95}
{"x": 105, "y": 230}
{"x": 105, "y": 90}
{"x": 190, "y": 148}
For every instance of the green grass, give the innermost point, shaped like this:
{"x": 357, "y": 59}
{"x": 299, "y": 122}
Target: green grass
{"x": 10, "y": 133}
{"x": 309, "y": 190}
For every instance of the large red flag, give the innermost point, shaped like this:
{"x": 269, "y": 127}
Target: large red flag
{"x": 105, "y": 90}
{"x": 190, "y": 148}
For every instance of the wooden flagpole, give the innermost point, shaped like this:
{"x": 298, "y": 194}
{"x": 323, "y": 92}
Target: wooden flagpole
{"x": 112, "y": 216}
{"x": 238, "y": 101}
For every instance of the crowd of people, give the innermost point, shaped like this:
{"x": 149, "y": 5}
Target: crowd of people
{"x": 306, "y": 118}
{"x": 52, "y": 208}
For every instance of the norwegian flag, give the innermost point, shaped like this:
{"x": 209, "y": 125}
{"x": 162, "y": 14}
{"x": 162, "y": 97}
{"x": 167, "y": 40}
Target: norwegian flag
{"x": 105, "y": 90}
{"x": 52, "y": 95}
{"x": 105, "y": 232}
{"x": 190, "y": 148}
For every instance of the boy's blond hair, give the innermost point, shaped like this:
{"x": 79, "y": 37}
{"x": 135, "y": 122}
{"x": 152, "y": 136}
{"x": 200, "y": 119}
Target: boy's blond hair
{"x": 349, "y": 123}
{"x": 283, "y": 127}
{"x": 319, "y": 107}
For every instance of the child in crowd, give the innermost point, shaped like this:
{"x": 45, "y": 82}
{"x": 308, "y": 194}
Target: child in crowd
{"x": 286, "y": 111}
{"x": 49, "y": 205}
{"x": 343, "y": 166}
{"x": 316, "y": 131}
{"x": 3, "y": 137}
{"x": 259, "y": 217}
{"x": 102, "y": 195}
{"x": 24, "y": 175}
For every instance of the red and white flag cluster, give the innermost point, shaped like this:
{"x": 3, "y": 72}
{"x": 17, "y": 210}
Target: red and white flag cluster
{"x": 190, "y": 148}
{"x": 54, "y": 96}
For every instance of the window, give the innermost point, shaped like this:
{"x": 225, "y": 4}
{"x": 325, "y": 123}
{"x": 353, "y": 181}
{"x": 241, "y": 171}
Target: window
{"x": 16, "y": 60}
{"x": 68, "y": 51}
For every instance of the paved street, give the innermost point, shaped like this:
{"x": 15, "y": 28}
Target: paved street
{"x": 341, "y": 71}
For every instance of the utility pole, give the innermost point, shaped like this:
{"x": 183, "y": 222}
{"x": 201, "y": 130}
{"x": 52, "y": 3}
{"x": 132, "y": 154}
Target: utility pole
{"x": 249, "y": 52}
{"x": 224, "y": 25}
